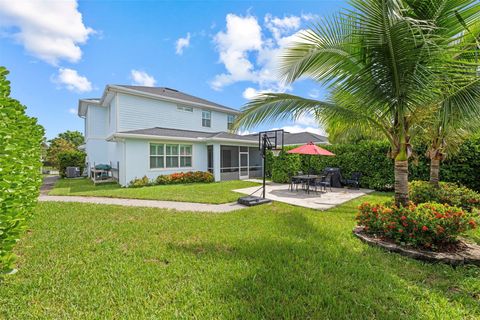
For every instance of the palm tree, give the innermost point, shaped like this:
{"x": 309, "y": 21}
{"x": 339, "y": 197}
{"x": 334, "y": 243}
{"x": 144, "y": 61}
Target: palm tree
{"x": 384, "y": 65}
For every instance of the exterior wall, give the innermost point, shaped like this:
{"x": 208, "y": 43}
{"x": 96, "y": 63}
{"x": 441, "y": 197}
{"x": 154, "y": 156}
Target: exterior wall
{"x": 136, "y": 112}
{"x": 137, "y": 159}
{"x": 111, "y": 123}
{"x": 95, "y": 134}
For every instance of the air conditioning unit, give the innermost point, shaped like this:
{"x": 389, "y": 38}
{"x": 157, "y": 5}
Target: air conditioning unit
{"x": 72, "y": 172}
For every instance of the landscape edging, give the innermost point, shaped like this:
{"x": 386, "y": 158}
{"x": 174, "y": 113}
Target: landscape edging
{"x": 471, "y": 255}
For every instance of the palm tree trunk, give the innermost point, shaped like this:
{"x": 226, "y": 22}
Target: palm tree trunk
{"x": 401, "y": 182}
{"x": 435, "y": 171}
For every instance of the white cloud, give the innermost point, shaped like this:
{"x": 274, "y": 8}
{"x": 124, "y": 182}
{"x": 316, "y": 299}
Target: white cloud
{"x": 71, "y": 80}
{"x": 250, "y": 53}
{"x": 282, "y": 26}
{"x": 182, "y": 43}
{"x": 142, "y": 78}
{"x": 49, "y": 30}
{"x": 72, "y": 111}
{"x": 314, "y": 93}
{"x": 243, "y": 35}
{"x": 306, "y": 119}
{"x": 298, "y": 128}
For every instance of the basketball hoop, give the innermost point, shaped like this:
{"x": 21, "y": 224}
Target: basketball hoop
{"x": 276, "y": 152}
{"x": 267, "y": 140}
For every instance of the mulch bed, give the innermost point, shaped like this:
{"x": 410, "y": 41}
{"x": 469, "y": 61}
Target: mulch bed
{"x": 463, "y": 253}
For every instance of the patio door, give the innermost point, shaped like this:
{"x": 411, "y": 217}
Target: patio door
{"x": 243, "y": 164}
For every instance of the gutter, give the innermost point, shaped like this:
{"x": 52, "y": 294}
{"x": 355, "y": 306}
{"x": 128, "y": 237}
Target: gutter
{"x": 115, "y": 136}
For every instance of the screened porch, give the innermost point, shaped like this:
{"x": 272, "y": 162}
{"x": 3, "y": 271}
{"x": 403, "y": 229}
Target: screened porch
{"x": 237, "y": 162}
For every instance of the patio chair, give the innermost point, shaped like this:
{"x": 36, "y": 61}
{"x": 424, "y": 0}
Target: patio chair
{"x": 327, "y": 181}
{"x": 354, "y": 182}
{"x": 318, "y": 182}
{"x": 294, "y": 182}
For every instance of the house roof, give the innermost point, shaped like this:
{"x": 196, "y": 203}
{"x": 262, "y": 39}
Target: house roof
{"x": 161, "y": 93}
{"x": 289, "y": 138}
{"x": 176, "y": 94}
{"x": 303, "y": 137}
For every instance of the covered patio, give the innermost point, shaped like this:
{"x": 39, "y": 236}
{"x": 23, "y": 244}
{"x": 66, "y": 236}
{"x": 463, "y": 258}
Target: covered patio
{"x": 313, "y": 200}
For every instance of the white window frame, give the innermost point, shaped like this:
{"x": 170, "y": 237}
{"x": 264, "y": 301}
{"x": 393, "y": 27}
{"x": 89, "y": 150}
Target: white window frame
{"x": 178, "y": 155}
{"x": 156, "y": 155}
{"x": 204, "y": 118}
{"x": 230, "y": 123}
{"x": 184, "y": 108}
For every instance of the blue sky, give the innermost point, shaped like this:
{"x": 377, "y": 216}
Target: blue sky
{"x": 224, "y": 51}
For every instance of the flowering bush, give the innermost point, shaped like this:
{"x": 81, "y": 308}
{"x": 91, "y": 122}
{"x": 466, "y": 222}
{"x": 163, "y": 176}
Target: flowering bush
{"x": 185, "y": 177}
{"x": 174, "y": 178}
{"x": 140, "y": 182}
{"x": 428, "y": 225}
{"x": 448, "y": 193}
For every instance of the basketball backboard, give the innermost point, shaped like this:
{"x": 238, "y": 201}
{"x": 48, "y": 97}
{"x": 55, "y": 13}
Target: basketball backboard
{"x": 271, "y": 140}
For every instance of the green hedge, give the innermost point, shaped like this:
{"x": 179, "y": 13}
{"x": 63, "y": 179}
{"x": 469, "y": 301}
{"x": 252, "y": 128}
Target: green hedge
{"x": 20, "y": 176}
{"x": 370, "y": 158}
{"x": 70, "y": 159}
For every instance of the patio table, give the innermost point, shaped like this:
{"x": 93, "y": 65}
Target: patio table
{"x": 307, "y": 178}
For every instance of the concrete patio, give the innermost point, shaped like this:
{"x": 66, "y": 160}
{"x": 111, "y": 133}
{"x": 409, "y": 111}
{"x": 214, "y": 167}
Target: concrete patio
{"x": 318, "y": 201}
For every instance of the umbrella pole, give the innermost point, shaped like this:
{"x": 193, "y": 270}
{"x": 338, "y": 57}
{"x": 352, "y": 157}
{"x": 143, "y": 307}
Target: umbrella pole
{"x": 309, "y": 164}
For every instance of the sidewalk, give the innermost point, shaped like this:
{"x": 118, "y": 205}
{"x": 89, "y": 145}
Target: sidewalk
{"x": 175, "y": 205}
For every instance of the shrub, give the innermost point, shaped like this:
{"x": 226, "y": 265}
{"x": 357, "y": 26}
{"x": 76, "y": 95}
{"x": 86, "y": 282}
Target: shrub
{"x": 70, "y": 159}
{"x": 371, "y": 159}
{"x": 284, "y": 166}
{"x": 428, "y": 225}
{"x": 20, "y": 178}
{"x": 140, "y": 182}
{"x": 448, "y": 193}
{"x": 185, "y": 177}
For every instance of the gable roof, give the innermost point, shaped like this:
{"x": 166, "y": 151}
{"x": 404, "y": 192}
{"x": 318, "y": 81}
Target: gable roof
{"x": 169, "y": 93}
{"x": 190, "y": 135}
{"x": 187, "y": 135}
{"x": 303, "y": 137}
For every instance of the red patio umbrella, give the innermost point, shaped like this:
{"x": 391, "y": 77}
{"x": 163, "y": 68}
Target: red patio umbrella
{"x": 312, "y": 150}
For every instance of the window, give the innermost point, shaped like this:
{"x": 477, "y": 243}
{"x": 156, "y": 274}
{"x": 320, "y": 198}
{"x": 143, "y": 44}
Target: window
{"x": 156, "y": 156}
{"x": 230, "y": 120}
{"x": 185, "y": 108}
{"x": 185, "y": 156}
{"x": 171, "y": 150}
{"x": 170, "y": 156}
{"x": 206, "y": 118}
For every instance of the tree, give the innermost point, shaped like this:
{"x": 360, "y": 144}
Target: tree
{"x": 385, "y": 63}
{"x": 74, "y": 137}
{"x": 58, "y": 146}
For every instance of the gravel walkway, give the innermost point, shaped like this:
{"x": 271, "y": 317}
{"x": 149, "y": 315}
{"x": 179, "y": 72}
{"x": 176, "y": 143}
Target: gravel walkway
{"x": 180, "y": 206}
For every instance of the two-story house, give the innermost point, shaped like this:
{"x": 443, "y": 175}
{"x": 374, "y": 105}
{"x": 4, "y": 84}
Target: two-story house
{"x": 149, "y": 131}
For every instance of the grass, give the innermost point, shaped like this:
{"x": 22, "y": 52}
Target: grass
{"x": 83, "y": 261}
{"x": 218, "y": 192}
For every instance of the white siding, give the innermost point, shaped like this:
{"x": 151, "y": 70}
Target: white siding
{"x": 112, "y": 116}
{"x": 137, "y": 159}
{"x": 96, "y": 121}
{"x": 96, "y": 150}
{"x": 140, "y": 113}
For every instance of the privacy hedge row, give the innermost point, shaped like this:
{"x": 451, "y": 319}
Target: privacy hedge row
{"x": 370, "y": 158}
{"x": 20, "y": 177}
{"x": 448, "y": 193}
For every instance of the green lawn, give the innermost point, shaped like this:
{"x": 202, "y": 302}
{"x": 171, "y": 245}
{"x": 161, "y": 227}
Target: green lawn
{"x": 219, "y": 192}
{"x": 82, "y": 261}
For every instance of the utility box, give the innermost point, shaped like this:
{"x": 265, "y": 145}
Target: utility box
{"x": 72, "y": 172}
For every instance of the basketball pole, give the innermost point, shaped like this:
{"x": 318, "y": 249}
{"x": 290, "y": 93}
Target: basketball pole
{"x": 264, "y": 154}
